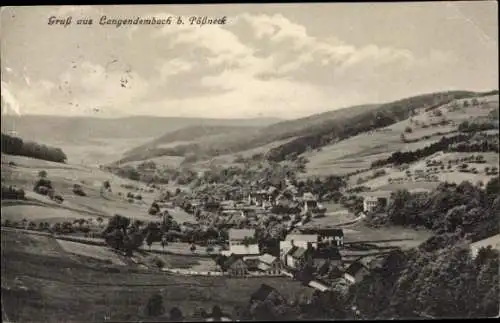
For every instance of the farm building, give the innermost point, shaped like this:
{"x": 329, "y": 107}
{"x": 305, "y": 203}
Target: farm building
{"x": 493, "y": 241}
{"x": 356, "y": 272}
{"x": 242, "y": 242}
{"x": 327, "y": 235}
{"x": 296, "y": 257}
{"x": 269, "y": 264}
{"x": 299, "y": 240}
{"x": 235, "y": 266}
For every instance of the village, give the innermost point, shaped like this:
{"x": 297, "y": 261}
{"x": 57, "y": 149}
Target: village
{"x": 251, "y": 240}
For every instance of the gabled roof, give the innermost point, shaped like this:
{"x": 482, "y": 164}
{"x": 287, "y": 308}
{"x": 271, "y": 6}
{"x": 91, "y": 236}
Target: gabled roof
{"x": 302, "y": 237}
{"x": 267, "y": 258}
{"x": 297, "y": 252}
{"x": 329, "y": 232}
{"x": 263, "y": 266}
{"x": 354, "y": 268}
{"x": 252, "y": 249}
{"x": 231, "y": 260}
{"x": 240, "y": 234}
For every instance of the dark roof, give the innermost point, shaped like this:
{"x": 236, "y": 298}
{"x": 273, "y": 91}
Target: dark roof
{"x": 354, "y": 268}
{"x": 329, "y": 232}
{"x": 299, "y": 252}
{"x": 327, "y": 253}
{"x": 319, "y": 263}
{"x": 231, "y": 260}
{"x": 240, "y": 234}
{"x": 262, "y": 293}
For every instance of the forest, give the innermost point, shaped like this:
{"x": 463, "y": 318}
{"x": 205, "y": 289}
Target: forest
{"x": 16, "y": 146}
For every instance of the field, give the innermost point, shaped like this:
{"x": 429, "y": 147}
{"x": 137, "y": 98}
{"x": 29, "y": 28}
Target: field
{"x": 62, "y": 289}
{"x": 89, "y": 251}
{"x": 452, "y": 175}
{"x": 25, "y": 173}
{"x": 359, "y": 151}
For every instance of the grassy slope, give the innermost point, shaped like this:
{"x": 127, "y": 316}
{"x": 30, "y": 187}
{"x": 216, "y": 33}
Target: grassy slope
{"x": 312, "y": 126}
{"x": 244, "y": 140}
{"x": 102, "y": 140}
{"x": 63, "y": 176}
{"x": 64, "y": 289}
{"x": 359, "y": 151}
{"x": 189, "y": 135}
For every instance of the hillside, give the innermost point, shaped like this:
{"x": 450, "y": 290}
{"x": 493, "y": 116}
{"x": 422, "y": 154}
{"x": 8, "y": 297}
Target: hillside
{"x": 186, "y": 136}
{"x": 309, "y": 133}
{"x": 422, "y": 129}
{"x": 92, "y": 140}
{"x": 382, "y": 116}
{"x": 241, "y": 141}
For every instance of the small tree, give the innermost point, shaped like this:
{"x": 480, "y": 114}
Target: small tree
{"x": 149, "y": 240}
{"x": 159, "y": 263}
{"x": 155, "y": 307}
{"x": 217, "y": 313}
{"x": 42, "y": 174}
{"x": 176, "y": 314}
{"x": 408, "y": 130}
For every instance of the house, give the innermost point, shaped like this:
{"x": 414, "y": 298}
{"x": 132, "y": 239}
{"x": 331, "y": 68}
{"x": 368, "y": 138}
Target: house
{"x": 242, "y": 242}
{"x": 252, "y": 262}
{"x": 269, "y": 264}
{"x": 332, "y": 254}
{"x": 235, "y": 266}
{"x": 356, "y": 272}
{"x": 493, "y": 241}
{"x": 328, "y": 235}
{"x": 299, "y": 240}
{"x": 296, "y": 257}
{"x": 375, "y": 199}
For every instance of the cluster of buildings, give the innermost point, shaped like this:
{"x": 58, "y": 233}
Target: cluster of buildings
{"x": 380, "y": 199}
{"x": 319, "y": 249}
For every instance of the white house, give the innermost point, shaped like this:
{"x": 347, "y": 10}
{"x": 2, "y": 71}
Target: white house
{"x": 237, "y": 239}
{"x": 374, "y": 199}
{"x": 298, "y": 240}
{"x": 493, "y": 241}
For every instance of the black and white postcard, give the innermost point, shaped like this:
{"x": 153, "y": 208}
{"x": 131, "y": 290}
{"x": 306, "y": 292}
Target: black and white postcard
{"x": 250, "y": 162}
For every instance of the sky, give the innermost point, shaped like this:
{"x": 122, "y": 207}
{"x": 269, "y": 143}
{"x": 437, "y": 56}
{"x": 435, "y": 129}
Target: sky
{"x": 268, "y": 60}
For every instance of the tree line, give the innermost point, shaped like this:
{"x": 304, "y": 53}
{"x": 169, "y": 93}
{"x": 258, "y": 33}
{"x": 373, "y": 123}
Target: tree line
{"x": 431, "y": 281}
{"x": 385, "y": 115}
{"x": 468, "y": 209}
{"x": 16, "y": 146}
{"x": 399, "y": 158}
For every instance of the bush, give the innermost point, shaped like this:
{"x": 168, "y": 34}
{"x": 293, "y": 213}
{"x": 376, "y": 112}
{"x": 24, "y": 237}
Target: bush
{"x": 138, "y": 197}
{"x": 159, "y": 263}
{"x": 16, "y": 146}
{"x": 77, "y": 190}
{"x": 9, "y": 192}
{"x": 58, "y": 198}
{"x": 155, "y": 307}
{"x": 408, "y": 130}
